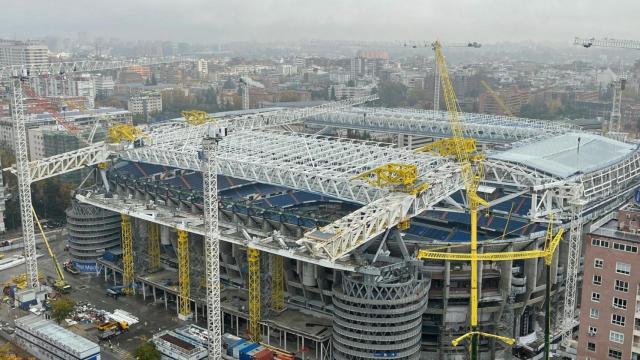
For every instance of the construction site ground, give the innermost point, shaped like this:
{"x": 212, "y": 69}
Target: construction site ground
{"x": 91, "y": 288}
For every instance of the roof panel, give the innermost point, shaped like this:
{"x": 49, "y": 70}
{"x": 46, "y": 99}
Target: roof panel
{"x": 568, "y": 154}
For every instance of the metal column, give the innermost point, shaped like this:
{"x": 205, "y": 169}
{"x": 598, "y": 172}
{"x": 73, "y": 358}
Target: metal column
{"x": 253, "y": 258}
{"x": 184, "y": 305}
{"x": 212, "y": 247}
{"x": 277, "y": 283}
{"x": 154, "y": 246}
{"x": 127, "y": 256}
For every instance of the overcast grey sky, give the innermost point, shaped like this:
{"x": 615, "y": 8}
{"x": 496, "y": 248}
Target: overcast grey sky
{"x": 214, "y": 21}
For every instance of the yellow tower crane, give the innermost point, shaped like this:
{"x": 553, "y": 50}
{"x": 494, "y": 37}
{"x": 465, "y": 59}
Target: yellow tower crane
{"x": 184, "y": 282}
{"x": 253, "y": 259}
{"x": 464, "y": 150}
{"x": 196, "y": 117}
{"x": 127, "y": 256}
{"x": 551, "y": 244}
{"x": 154, "y": 246}
{"x": 277, "y": 283}
{"x": 505, "y": 109}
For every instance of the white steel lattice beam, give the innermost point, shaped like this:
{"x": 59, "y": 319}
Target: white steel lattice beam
{"x": 485, "y": 127}
{"x": 58, "y": 68}
{"x": 183, "y": 134}
{"x": 300, "y": 161}
{"x": 66, "y": 162}
{"x": 610, "y": 43}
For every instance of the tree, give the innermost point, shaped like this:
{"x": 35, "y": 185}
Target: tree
{"x": 417, "y": 97}
{"x": 61, "y": 308}
{"x": 351, "y": 83}
{"x": 333, "y": 94}
{"x": 146, "y": 351}
{"x": 392, "y": 94}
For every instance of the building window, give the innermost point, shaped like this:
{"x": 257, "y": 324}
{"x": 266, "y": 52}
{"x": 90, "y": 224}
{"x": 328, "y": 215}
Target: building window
{"x": 619, "y": 303}
{"x": 597, "y": 280}
{"x": 615, "y": 354}
{"x": 621, "y": 286}
{"x": 591, "y": 346}
{"x": 617, "y": 319}
{"x": 592, "y": 330}
{"x": 594, "y": 313}
{"x": 616, "y": 337}
{"x": 600, "y": 243}
{"x": 595, "y": 296}
{"x": 598, "y": 263}
{"x": 625, "y": 247}
{"x": 622, "y": 268}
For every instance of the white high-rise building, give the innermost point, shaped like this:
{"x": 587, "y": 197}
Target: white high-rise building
{"x": 203, "y": 67}
{"x": 104, "y": 85}
{"x": 72, "y": 86}
{"x": 23, "y": 53}
{"x": 145, "y": 103}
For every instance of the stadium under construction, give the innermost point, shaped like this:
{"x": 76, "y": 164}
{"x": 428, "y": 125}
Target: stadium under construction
{"x": 291, "y": 189}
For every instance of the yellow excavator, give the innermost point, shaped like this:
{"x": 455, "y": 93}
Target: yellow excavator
{"x": 60, "y": 284}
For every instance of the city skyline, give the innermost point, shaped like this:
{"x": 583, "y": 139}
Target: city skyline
{"x": 375, "y": 20}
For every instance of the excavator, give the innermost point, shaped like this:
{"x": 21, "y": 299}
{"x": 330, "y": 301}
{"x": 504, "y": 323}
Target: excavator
{"x": 60, "y": 284}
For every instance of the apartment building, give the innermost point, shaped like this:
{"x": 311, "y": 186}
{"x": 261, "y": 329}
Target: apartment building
{"x": 343, "y": 91}
{"x": 610, "y": 306}
{"x": 23, "y": 53}
{"x": 145, "y": 103}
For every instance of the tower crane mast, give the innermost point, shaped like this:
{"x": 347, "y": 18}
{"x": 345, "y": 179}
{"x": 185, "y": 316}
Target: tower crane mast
{"x": 24, "y": 182}
{"x": 619, "y": 83}
{"x": 17, "y": 77}
{"x": 464, "y": 151}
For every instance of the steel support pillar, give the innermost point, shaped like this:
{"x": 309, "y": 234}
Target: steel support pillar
{"x": 184, "y": 304}
{"x": 277, "y": 283}
{"x": 253, "y": 258}
{"x": 154, "y": 246}
{"x": 212, "y": 247}
{"x": 127, "y": 256}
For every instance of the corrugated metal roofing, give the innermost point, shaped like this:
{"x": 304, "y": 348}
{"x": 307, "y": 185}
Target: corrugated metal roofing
{"x": 561, "y": 157}
{"x": 53, "y": 333}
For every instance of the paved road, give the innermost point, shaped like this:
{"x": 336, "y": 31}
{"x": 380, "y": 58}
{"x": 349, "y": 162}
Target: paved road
{"x": 91, "y": 288}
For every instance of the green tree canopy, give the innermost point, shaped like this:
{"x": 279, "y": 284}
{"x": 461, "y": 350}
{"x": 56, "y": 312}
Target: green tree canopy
{"x": 146, "y": 351}
{"x": 61, "y": 308}
{"x": 392, "y": 94}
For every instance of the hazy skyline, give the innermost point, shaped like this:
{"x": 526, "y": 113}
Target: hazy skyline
{"x": 205, "y": 21}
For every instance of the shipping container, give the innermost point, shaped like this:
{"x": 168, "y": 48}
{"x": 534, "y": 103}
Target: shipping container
{"x": 264, "y": 354}
{"x": 243, "y": 354}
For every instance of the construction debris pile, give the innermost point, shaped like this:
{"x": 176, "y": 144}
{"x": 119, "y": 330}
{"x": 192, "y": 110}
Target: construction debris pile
{"x": 87, "y": 313}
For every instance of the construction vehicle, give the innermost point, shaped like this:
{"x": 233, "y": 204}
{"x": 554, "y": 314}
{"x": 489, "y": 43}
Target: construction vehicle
{"x": 60, "y": 284}
{"x": 70, "y": 268}
{"x": 115, "y": 291}
{"x": 111, "y": 329}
